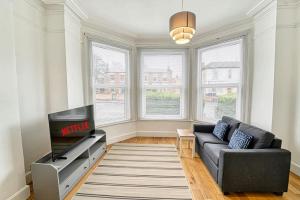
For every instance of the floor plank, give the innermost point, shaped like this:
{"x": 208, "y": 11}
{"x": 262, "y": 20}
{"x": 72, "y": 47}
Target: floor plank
{"x": 202, "y": 185}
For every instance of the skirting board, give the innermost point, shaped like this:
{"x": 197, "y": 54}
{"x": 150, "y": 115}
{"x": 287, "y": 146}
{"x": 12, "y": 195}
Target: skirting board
{"x": 121, "y": 138}
{"x": 156, "y": 133}
{"x": 295, "y": 168}
{"x": 22, "y": 194}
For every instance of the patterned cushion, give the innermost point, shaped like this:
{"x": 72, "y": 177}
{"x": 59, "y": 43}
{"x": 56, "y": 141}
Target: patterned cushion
{"x": 220, "y": 130}
{"x": 240, "y": 140}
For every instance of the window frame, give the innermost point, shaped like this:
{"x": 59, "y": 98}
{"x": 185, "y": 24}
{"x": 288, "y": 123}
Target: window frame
{"x": 126, "y": 86}
{"x": 241, "y": 97}
{"x": 184, "y": 96}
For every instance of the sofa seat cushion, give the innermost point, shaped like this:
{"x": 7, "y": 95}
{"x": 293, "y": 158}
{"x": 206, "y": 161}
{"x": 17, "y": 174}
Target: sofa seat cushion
{"x": 261, "y": 139}
{"x": 204, "y": 138}
{"x": 213, "y": 151}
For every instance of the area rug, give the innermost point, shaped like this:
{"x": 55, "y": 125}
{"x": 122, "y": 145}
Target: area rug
{"x": 137, "y": 172}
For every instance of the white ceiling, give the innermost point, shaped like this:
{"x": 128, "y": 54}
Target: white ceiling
{"x": 150, "y": 18}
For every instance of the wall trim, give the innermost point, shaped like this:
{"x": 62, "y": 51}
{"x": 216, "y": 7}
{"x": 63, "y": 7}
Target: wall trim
{"x": 156, "y": 133}
{"x": 258, "y": 7}
{"x": 22, "y": 194}
{"x": 295, "y": 168}
{"x": 121, "y": 137}
{"x": 70, "y": 4}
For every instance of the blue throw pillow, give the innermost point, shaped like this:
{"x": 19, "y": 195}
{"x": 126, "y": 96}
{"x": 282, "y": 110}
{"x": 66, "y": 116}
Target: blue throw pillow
{"x": 240, "y": 140}
{"x": 220, "y": 130}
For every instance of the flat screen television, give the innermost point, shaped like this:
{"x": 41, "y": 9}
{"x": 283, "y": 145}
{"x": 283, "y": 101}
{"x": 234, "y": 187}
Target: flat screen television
{"x": 69, "y": 128}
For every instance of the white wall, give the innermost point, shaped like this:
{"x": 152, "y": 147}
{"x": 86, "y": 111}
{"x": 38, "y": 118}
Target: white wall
{"x": 294, "y": 136}
{"x": 73, "y": 59}
{"x": 119, "y": 132}
{"x": 12, "y": 174}
{"x": 48, "y": 60}
{"x": 275, "y": 102}
{"x": 263, "y": 67}
{"x": 160, "y": 128}
{"x": 29, "y": 23}
{"x": 56, "y": 59}
{"x": 284, "y": 74}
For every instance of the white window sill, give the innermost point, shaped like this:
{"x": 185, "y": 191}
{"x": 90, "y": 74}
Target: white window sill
{"x": 157, "y": 119}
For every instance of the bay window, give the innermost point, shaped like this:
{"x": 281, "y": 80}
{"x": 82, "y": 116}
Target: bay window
{"x": 111, "y": 83}
{"x": 163, "y": 87}
{"x": 220, "y": 69}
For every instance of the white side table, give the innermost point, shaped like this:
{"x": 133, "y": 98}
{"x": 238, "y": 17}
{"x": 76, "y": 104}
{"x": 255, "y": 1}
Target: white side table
{"x": 185, "y": 134}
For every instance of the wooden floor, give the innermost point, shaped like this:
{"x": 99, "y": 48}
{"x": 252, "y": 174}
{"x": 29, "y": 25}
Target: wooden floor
{"x": 202, "y": 185}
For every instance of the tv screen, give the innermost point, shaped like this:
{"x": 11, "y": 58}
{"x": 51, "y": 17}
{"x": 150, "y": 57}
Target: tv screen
{"x": 69, "y": 128}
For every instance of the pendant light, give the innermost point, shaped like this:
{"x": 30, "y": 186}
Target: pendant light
{"x": 182, "y": 26}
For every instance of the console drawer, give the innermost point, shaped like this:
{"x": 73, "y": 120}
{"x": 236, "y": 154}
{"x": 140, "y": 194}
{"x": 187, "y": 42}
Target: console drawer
{"x": 96, "y": 154}
{"x": 72, "y": 179}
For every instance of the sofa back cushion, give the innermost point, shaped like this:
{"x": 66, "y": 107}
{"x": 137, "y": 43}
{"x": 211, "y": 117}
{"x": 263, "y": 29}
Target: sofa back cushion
{"x": 220, "y": 130}
{"x": 261, "y": 138}
{"x": 240, "y": 140}
{"x": 276, "y": 143}
{"x": 233, "y": 124}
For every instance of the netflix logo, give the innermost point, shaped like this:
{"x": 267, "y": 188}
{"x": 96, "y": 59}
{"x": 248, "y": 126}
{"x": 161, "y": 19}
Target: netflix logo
{"x": 67, "y": 130}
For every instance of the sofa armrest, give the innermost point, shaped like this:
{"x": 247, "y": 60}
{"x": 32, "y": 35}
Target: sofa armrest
{"x": 254, "y": 170}
{"x": 203, "y": 128}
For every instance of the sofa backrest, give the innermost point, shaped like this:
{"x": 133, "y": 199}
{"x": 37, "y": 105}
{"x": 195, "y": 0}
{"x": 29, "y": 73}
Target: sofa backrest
{"x": 233, "y": 124}
{"x": 276, "y": 143}
{"x": 262, "y": 139}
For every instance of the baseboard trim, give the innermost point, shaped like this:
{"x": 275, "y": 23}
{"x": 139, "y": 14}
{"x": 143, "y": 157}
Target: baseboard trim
{"x": 121, "y": 138}
{"x": 295, "y": 168}
{"x": 28, "y": 177}
{"x": 156, "y": 133}
{"x": 22, "y": 194}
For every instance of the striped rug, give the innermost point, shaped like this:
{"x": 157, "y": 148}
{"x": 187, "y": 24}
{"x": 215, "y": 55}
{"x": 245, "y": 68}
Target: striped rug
{"x": 137, "y": 172}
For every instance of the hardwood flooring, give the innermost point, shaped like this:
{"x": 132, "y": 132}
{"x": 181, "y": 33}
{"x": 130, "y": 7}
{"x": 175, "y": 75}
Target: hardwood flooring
{"x": 202, "y": 185}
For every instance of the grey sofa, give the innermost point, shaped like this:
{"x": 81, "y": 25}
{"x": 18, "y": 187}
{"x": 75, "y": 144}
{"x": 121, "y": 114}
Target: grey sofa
{"x": 264, "y": 167}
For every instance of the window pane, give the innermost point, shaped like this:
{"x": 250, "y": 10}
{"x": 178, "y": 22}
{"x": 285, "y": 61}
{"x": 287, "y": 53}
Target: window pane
{"x": 220, "y": 71}
{"x": 218, "y": 102}
{"x": 163, "y": 102}
{"x": 221, "y": 64}
{"x": 221, "y": 56}
{"x": 110, "y": 105}
{"x": 162, "y": 69}
{"x": 219, "y": 76}
{"x": 163, "y": 84}
{"x": 110, "y": 67}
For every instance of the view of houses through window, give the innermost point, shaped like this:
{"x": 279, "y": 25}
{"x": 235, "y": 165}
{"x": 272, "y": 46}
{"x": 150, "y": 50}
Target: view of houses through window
{"x": 110, "y": 68}
{"x": 163, "y": 84}
{"x": 220, "y": 81}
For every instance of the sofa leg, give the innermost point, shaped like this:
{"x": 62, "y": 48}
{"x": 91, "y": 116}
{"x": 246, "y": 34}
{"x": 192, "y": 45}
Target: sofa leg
{"x": 225, "y": 193}
{"x": 278, "y": 193}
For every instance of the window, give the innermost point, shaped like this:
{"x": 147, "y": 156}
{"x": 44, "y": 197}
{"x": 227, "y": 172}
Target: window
{"x": 163, "y": 84}
{"x": 220, "y": 80}
{"x": 111, "y": 85}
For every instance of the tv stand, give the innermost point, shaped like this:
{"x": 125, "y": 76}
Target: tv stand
{"x": 53, "y": 180}
{"x": 60, "y": 158}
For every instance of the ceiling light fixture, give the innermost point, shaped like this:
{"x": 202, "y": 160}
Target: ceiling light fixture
{"x": 182, "y": 26}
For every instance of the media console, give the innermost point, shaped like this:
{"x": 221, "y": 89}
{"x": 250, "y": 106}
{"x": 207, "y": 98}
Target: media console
{"x": 54, "y": 180}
